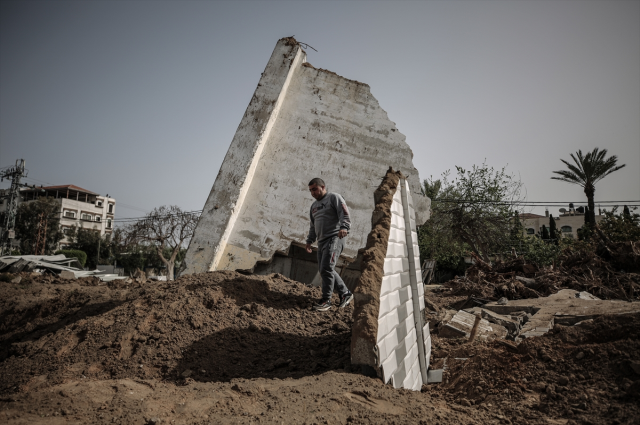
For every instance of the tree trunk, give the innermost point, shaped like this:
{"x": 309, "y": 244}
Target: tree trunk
{"x": 170, "y": 267}
{"x": 590, "y": 191}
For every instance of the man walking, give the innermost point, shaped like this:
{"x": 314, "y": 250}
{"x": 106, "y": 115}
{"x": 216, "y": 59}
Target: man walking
{"x": 330, "y": 224}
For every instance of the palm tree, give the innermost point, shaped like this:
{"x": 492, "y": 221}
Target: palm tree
{"x": 587, "y": 171}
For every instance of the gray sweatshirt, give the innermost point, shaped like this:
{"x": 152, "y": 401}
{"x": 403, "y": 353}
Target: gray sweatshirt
{"x": 328, "y": 215}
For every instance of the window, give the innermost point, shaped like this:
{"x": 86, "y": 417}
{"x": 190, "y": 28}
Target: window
{"x": 108, "y": 223}
{"x": 70, "y": 214}
{"x": 531, "y": 231}
{"x": 67, "y": 230}
{"x": 86, "y": 217}
{"x": 110, "y": 208}
{"x": 566, "y": 229}
{"x": 98, "y": 203}
{"x": 98, "y": 218}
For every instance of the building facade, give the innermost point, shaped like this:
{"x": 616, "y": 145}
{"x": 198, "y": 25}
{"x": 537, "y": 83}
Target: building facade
{"x": 567, "y": 223}
{"x": 79, "y": 208}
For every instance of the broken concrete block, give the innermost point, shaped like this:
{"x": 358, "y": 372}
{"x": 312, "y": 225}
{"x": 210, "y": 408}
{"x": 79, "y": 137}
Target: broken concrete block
{"x": 65, "y": 274}
{"x": 461, "y": 324}
{"x": 16, "y": 279}
{"x": 434, "y": 376}
{"x": 567, "y": 307}
{"x": 512, "y": 325}
{"x": 259, "y": 203}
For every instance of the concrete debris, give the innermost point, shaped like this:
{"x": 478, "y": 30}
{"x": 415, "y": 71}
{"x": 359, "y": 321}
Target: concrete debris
{"x": 513, "y": 323}
{"x": 526, "y": 318}
{"x": 462, "y": 322}
{"x": 567, "y": 307}
{"x": 67, "y": 274}
{"x": 66, "y": 268}
{"x": 434, "y": 376}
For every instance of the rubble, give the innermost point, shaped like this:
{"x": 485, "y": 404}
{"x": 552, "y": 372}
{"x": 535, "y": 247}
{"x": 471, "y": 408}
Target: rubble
{"x": 459, "y": 326}
{"x": 566, "y": 307}
{"x": 251, "y": 349}
{"x": 515, "y": 279}
{"x": 66, "y": 268}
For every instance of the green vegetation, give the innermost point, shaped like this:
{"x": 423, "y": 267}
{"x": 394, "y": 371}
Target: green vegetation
{"x": 74, "y": 253}
{"x": 554, "y": 234}
{"x": 471, "y": 213}
{"x": 38, "y": 226}
{"x": 623, "y": 227}
{"x": 587, "y": 171}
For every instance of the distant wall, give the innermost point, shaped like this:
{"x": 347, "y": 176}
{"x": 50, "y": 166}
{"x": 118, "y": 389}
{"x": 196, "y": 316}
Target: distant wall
{"x": 301, "y": 123}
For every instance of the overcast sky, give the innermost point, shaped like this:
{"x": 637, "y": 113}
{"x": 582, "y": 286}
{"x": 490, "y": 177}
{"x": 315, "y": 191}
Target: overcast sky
{"x": 141, "y": 99}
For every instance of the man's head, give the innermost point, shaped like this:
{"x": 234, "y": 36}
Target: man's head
{"x": 317, "y": 188}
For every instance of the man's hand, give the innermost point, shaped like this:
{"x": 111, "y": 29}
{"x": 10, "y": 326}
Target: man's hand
{"x": 309, "y": 248}
{"x": 342, "y": 233}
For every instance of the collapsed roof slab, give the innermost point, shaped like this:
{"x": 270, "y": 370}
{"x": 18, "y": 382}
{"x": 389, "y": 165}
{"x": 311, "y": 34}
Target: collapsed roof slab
{"x": 301, "y": 123}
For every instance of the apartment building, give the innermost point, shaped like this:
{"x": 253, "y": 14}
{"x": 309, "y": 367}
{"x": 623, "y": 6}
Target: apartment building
{"x": 567, "y": 223}
{"x": 78, "y": 208}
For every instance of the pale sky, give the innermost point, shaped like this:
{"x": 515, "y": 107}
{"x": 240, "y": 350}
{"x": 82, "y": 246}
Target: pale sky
{"x": 140, "y": 99}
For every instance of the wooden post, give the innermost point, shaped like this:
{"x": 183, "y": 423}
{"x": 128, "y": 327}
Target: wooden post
{"x": 474, "y": 330}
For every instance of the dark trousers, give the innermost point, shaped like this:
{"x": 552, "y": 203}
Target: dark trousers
{"x": 329, "y": 251}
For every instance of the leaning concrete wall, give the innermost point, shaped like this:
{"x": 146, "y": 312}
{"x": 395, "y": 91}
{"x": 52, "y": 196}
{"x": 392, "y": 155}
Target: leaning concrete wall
{"x": 302, "y": 122}
{"x": 386, "y": 332}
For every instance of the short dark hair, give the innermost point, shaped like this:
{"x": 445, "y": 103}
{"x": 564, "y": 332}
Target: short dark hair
{"x": 317, "y": 181}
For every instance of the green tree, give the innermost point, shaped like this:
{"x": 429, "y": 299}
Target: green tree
{"x": 545, "y": 233}
{"x": 621, "y": 227}
{"x": 89, "y": 241}
{"x": 38, "y": 226}
{"x": 626, "y": 213}
{"x": 431, "y": 187}
{"x": 553, "y": 230}
{"x": 537, "y": 251}
{"x": 586, "y": 172}
{"x": 472, "y": 212}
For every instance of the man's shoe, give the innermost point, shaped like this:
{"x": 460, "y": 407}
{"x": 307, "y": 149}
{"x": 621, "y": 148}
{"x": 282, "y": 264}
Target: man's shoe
{"x": 322, "y": 305}
{"x": 346, "y": 299}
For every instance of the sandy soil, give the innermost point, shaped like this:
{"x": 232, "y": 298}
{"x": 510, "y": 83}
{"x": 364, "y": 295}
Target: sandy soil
{"x": 222, "y": 347}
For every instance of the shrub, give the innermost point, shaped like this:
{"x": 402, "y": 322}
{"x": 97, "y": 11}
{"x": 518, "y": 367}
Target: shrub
{"x": 74, "y": 253}
{"x": 539, "y": 251}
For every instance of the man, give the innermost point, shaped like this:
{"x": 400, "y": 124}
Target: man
{"x": 330, "y": 224}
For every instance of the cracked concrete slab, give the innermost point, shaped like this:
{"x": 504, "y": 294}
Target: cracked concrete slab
{"x": 566, "y": 307}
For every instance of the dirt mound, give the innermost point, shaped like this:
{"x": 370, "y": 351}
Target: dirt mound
{"x": 589, "y": 373}
{"x": 515, "y": 279}
{"x": 208, "y": 327}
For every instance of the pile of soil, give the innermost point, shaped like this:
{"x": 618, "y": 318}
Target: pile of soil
{"x": 582, "y": 271}
{"x": 588, "y": 373}
{"x": 207, "y": 327}
{"x": 223, "y": 347}
{"x": 217, "y": 347}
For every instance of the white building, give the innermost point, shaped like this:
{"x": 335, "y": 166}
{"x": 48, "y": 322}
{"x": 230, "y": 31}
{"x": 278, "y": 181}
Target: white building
{"x": 567, "y": 223}
{"x": 78, "y": 208}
